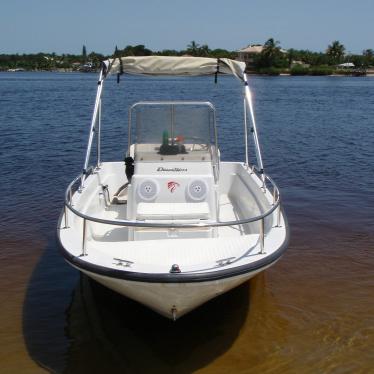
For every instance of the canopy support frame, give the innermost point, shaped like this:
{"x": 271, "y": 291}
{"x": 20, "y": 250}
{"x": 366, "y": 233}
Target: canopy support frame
{"x": 248, "y": 100}
{"x": 95, "y": 128}
{"x": 95, "y": 117}
{"x": 98, "y": 140}
{"x": 246, "y": 133}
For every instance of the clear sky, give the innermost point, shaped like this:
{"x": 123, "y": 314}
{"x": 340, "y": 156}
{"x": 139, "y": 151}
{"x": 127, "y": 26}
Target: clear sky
{"x": 28, "y": 26}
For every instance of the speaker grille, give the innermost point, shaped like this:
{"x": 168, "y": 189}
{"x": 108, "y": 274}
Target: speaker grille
{"x": 197, "y": 190}
{"x": 148, "y": 190}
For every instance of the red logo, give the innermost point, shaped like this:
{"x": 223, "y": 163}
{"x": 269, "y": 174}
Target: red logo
{"x": 172, "y": 186}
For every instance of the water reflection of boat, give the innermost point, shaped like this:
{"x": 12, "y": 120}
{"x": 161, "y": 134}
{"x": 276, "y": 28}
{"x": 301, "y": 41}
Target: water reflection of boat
{"x": 173, "y": 226}
{"x": 72, "y": 325}
{"x": 105, "y": 334}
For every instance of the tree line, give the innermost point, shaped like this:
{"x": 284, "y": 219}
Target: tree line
{"x": 272, "y": 59}
{"x": 193, "y": 49}
{"x": 49, "y": 61}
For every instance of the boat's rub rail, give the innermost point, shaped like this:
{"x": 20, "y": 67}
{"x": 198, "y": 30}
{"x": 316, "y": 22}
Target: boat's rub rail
{"x": 136, "y": 223}
{"x": 198, "y": 277}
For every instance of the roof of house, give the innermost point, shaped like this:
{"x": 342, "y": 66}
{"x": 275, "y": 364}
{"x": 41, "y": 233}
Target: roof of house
{"x": 255, "y": 48}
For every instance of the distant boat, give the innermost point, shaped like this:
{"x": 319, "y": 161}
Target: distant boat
{"x": 346, "y": 65}
{"x": 87, "y": 67}
{"x": 16, "y": 70}
{"x": 173, "y": 226}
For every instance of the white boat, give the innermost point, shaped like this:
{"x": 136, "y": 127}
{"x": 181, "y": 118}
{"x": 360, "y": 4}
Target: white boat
{"x": 172, "y": 226}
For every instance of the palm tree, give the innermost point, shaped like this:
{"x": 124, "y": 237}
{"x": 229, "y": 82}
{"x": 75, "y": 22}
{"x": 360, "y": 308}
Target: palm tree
{"x": 368, "y": 57}
{"x": 204, "y": 50}
{"x": 368, "y": 52}
{"x": 271, "y": 47}
{"x": 336, "y": 52}
{"x": 193, "y": 48}
{"x": 271, "y": 54}
{"x": 116, "y": 52}
{"x": 84, "y": 53}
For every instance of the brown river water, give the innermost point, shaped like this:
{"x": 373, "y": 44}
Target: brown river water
{"x": 312, "y": 312}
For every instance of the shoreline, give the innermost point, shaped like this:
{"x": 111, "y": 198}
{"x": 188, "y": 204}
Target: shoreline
{"x": 370, "y": 74}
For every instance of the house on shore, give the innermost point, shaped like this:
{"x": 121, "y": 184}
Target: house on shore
{"x": 249, "y": 53}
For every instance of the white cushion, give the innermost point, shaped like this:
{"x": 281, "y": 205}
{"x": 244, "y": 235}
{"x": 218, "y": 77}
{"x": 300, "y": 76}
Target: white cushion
{"x": 172, "y": 211}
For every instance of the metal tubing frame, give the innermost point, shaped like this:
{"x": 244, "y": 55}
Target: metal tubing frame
{"x": 278, "y": 216}
{"x": 172, "y": 120}
{"x": 100, "y": 84}
{"x": 98, "y": 134}
{"x": 246, "y": 133}
{"x": 84, "y": 253}
{"x": 248, "y": 99}
{"x": 96, "y": 117}
{"x": 215, "y": 159}
{"x": 66, "y": 217}
{"x": 262, "y": 235}
{"x": 135, "y": 223}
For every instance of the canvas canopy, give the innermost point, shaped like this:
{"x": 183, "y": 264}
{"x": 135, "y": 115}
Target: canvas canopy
{"x": 165, "y": 65}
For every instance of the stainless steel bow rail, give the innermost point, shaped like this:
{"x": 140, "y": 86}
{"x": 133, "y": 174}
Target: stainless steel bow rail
{"x": 276, "y": 204}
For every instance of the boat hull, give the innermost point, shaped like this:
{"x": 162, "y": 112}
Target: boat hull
{"x": 172, "y": 300}
{"x": 142, "y": 269}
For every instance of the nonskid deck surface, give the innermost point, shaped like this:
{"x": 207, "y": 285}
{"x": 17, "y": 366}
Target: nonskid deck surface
{"x": 108, "y": 233}
{"x": 158, "y": 256}
{"x": 108, "y": 246}
{"x": 156, "y": 250}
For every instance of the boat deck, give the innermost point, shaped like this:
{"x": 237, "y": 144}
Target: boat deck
{"x": 108, "y": 245}
{"x": 108, "y": 233}
{"x": 154, "y": 250}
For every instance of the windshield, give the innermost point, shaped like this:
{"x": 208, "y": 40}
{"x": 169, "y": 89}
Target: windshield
{"x": 175, "y": 131}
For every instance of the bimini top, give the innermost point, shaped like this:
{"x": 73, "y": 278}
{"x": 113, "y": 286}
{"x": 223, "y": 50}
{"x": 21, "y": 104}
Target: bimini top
{"x": 165, "y": 65}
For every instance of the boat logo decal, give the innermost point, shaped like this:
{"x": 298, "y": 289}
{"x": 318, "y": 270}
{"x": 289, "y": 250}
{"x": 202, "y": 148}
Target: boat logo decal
{"x": 172, "y": 186}
{"x": 160, "y": 168}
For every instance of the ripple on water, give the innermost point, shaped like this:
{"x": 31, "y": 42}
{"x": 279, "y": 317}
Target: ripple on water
{"x": 311, "y": 312}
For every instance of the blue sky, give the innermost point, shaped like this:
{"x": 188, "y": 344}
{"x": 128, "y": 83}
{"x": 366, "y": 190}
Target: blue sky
{"x": 28, "y": 26}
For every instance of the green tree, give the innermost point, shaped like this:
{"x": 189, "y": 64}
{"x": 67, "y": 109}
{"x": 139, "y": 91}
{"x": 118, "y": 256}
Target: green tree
{"x": 368, "y": 55}
{"x": 96, "y": 58}
{"x": 204, "y": 50}
{"x": 271, "y": 56}
{"x": 291, "y": 56}
{"x": 335, "y": 52}
{"x": 168, "y": 52}
{"x": 116, "y": 52}
{"x": 84, "y": 53}
{"x": 193, "y": 48}
{"x": 222, "y": 53}
{"x": 137, "y": 50}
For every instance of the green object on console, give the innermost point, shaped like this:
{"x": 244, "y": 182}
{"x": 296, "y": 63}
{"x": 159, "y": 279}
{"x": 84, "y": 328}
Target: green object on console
{"x": 165, "y": 137}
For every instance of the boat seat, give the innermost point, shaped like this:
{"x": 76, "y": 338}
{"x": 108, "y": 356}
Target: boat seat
{"x": 172, "y": 211}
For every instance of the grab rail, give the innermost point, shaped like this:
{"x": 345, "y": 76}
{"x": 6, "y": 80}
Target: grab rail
{"x": 135, "y": 223}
